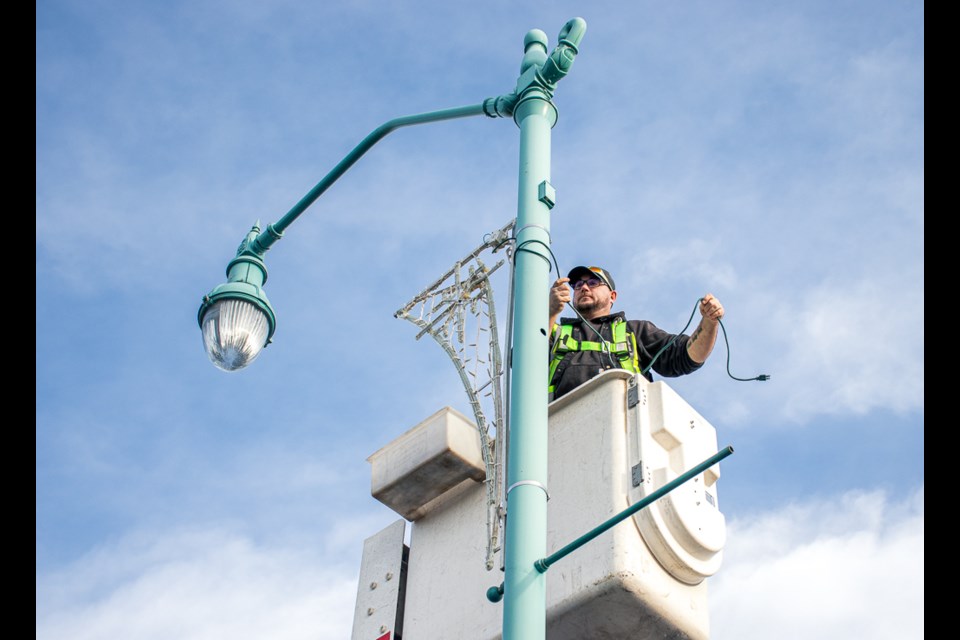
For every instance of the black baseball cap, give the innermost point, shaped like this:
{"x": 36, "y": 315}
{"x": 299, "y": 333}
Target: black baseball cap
{"x": 578, "y": 272}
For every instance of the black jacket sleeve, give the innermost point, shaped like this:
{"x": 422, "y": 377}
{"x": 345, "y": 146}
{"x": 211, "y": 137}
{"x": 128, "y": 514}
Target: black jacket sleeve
{"x": 674, "y": 361}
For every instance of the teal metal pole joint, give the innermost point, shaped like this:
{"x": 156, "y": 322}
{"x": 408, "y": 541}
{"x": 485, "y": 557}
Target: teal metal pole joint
{"x": 561, "y": 60}
{"x": 261, "y": 244}
{"x": 540, "y": 72}
{"x": 501, "y": 106}
{"x": 544, "y": 563}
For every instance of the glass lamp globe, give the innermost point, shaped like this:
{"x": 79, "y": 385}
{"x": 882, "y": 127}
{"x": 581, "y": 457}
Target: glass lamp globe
{"x": 234, "y": 333}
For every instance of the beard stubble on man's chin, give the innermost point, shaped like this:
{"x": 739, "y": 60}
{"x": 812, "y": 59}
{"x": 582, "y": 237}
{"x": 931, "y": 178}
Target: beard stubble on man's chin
{"x": 588, "y": 307}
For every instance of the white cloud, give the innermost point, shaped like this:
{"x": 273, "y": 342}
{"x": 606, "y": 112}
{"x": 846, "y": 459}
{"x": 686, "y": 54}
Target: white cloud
{"x": 196, "y": 584}
{"x": 695, "y": 260}
{"x": 857, "y": 346}
{"x": 847, "y": 567}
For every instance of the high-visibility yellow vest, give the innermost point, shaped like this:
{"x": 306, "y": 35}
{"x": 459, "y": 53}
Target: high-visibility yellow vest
{"x": 624, "y": 347}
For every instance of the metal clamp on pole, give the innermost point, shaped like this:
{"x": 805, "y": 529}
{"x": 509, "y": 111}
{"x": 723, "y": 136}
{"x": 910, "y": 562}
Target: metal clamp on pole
{"x": 531, "y": 482}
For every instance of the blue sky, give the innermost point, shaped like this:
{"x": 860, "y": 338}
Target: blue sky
{"x": 770, "y": 153}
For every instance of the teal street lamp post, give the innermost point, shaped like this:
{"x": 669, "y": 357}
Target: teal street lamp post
{"x": 237, "y": 320}
{"x": 524, "y": 588}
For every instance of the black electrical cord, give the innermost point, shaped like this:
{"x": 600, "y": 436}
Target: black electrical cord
{"x": 672, "y": 340}
{"x": 762, "y": 377}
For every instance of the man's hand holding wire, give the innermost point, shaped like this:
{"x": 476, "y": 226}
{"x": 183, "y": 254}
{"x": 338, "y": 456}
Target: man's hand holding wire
{"x": 559, "y": 296}
{"x": 710, "y": 308}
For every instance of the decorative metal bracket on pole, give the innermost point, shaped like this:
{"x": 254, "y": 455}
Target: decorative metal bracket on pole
{"x": 443, "y": 310}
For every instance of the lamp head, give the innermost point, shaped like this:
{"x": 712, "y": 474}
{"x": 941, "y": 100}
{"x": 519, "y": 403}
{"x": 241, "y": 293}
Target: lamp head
{"x": 236, "y": 318}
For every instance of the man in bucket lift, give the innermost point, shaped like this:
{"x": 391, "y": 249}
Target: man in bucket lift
{"x": 582, "y": 347}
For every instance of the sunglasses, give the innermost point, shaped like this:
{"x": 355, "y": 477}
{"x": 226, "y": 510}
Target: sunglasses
{"x": 593, "y": 283}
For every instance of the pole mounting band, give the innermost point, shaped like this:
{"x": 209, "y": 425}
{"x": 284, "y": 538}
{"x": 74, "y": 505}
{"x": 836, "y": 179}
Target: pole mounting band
{"x": 530, "y": 482}
{"x": 516, "y": 232}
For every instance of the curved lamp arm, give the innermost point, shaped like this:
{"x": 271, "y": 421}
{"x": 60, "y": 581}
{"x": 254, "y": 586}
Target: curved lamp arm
{"x": 274, "y": 231}
{"x": 236, "y": 319}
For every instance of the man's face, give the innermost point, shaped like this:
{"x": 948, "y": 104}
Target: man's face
{"x": 592, "y": 301}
